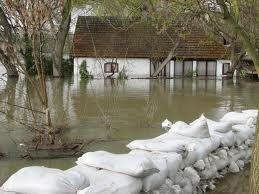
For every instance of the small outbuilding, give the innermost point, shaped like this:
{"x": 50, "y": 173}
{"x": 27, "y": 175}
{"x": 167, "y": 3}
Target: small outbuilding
{"x": 111, "y": 45}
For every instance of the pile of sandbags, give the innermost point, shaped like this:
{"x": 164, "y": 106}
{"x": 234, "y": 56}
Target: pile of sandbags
{"x": 174, "y": 162}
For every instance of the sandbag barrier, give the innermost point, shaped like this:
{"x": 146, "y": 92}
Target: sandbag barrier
{"x": 184, "y": 160}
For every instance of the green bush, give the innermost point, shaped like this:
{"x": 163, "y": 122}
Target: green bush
{"x": 189, "y": 74}
{"x": 122, "y": 74}
{"x": 242, "y": 74}
{"x": 84, "y": 74}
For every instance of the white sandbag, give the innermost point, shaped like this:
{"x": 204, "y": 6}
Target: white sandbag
{"x": 233, "y": 167}
{"x": 137, "y": 166}
{"x": 178, "y": 126}
{"x": 168, "y": 188}
{"x": 197, "y": 129}
{"x": 87, "y": 171}
{"x": 181, "y": 180}
{"x": 166, "y": 124}
{"x": 243, "y": 133}
{"x": 173, "y": 160}
{"x": 226, "y": 139}
{"x": 108, "y": 182}
{"x": 184, "y": 182}
{"x": 237, "y": 154}
{"x": 252, "y": 112}
{"x": 221, "y": 163}
{"x": 222, "y": 127}
{"x": 7, "y": 192}
{"x": 200, "y": 149}
{"x": 240, "y": 164}
{"x": 192, "y": 174}
{"x": 210, "y": 171}
{"x": 221, "y": 159}
{"x": 199, "y": 165}
{"x": 41, "y": 180}
{"x": 237, "y": 118}
{"x": 159, "y": 144}
{"x": 156, "y": 180}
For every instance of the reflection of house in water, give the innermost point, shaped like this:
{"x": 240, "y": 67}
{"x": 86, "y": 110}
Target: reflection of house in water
{"x": 139, "y": 49}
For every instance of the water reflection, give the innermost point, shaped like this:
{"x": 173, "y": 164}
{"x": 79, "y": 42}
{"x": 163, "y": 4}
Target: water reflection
{"x": 120, "y": 111}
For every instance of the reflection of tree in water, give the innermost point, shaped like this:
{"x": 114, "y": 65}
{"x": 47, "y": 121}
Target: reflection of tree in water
{"x": 110, "y": 102}
{"x": 9, "y": 95}
{"x": 60, "y": 110}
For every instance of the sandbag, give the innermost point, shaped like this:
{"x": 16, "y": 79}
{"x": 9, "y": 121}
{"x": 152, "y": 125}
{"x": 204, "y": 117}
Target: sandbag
{"x": 220, "y": 159}
{"x": 237, "y": 154}
{"x": 233, "y": 167}
{"x": 226, "y": 139}
{"x": 178, "y": 126}
{"x": 153, "y": 181}
{"x": 166, "y": 124}
{"x": 221, "y": 127}
{"x": 173, "y": 160}
{"x": 7, "y": 192}
{"x": 156, "y": 180}
{"x": 197, "y": 129}
{"x": 252, "y": 112}
{"x": 41, "y": 180}
{"x": 243, "y": 133}
{"x": 108, "y": 182}
{"x": 192, "y": 174}
{"x": 137, "y": 166}
{"x": 210, "y": 171}
{"x": 200, "y": 149}
{"x": 87, "y": 171}
{"x": 237, "y": 118}
{"x": 159, "y": 144}
{"x": 199, "y": 165}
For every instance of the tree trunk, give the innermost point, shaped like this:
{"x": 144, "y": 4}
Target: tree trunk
{"x": 166, "y": 61}
{"x": 61, "y": 39}
{"x": 8, "y": 43}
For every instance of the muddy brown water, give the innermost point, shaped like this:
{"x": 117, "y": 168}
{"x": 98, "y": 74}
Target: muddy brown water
{"x": 119, "y": 112}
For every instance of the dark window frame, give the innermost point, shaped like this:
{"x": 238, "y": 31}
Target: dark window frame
{"x": 111, "y": 63}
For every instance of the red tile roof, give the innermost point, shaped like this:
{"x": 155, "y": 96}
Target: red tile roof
{"x": 118, "y": 38}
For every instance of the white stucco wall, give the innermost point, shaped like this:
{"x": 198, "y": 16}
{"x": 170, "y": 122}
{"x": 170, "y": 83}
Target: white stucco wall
{"x": 135, "y": 67}
{"x": 220, "y": 66}
{"x": 172, "y": 68}
{"x": 194, "y": 63}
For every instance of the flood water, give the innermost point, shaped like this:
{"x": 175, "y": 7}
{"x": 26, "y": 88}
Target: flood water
{"x": 118, "y": 112}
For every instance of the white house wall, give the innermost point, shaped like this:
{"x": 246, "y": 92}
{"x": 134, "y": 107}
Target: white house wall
{"x": 220, "y": 66}
{"x": 134, "y": 67}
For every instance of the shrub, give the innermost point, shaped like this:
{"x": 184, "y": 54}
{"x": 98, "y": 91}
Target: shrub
{"x": 84, "y": 74}
{"x": 122, "y": 74}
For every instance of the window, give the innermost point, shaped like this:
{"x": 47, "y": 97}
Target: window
{"x": 111, "y": 67}
{"x": 206, "y": 68}
{"x": 183, "y": 68}
{"x": 225, "y": 68}
{"x": 188, "y": 68}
